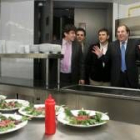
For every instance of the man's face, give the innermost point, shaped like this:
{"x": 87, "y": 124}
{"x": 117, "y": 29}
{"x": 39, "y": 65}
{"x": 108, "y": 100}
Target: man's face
{"x": 80, "y": 36}
{"x": 70, "y": 36}
{"x": 122, "y": 34}
{"x": 103, "y": 37}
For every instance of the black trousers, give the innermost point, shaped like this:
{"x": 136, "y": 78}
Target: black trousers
{"x": 65, "y": 79}
{"x": 123, "y": 81}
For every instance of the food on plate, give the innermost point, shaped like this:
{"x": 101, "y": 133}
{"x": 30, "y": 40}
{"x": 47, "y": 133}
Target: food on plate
{"x": 83, "y": 117}
{"x": 59, "y": 109}
{"x": 37, "y": 110}
{"x": 10, "y": 104}
{"x": 8, "y": 122}
{"x": 34, "y": 110}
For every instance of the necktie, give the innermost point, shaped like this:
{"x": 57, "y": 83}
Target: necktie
{"x": 123, "y": 64}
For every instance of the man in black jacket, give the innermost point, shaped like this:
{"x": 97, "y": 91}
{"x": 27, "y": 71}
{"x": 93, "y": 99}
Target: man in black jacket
{"x": 72, "y": 65}
{"x": 97, "y": 71}
{"x": 123, "y": 54}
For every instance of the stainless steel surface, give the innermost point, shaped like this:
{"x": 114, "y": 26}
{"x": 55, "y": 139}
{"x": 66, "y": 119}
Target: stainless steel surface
{"x": 0, "y": 66}
{"x": 104, "y": 91}
{"x": 118, "y": 107}
{"x": 33, "y": 56}
{"x": 58, "y": 74}
{"x": 30, "y": 55}
{"x": 113, "y": 130}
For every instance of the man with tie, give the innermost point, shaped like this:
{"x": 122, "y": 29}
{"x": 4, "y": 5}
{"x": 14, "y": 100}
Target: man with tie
{"x": 122, "y": 54}
{"x": 81, "y": 38}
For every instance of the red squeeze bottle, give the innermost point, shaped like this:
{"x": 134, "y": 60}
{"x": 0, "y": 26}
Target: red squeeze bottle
{"x": 50, "y": 120}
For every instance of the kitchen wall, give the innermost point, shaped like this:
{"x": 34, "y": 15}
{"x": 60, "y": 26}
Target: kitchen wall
{"x": 93, "y": 19}
{"x": 134, "y": 12}
{"x": 17, "y": 27}
{"x": 121, "y": 11}
{"x": 17, "y": 24}
{"x": 90, "y": 17}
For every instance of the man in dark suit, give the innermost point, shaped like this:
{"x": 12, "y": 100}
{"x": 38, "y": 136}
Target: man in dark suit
{"x": 81, "y": 38}
{"x": 122, "y": 54}
{"x": 97, "y": 72}
{"x": 72, "y": 65}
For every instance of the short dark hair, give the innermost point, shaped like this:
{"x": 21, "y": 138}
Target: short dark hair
{"x": 81, "y": 29}
{"x": 68, "y": 28}
{"x": 126, "y": 28}
{"x": 104, "y": 30}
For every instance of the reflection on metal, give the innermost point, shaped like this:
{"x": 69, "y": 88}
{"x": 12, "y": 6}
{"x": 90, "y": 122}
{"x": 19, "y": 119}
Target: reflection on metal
{"x": 132, "y": 8}
{"x": 36, "y": 56}
{"x": 119, "y": 104}
{"x": 30, "y": 55}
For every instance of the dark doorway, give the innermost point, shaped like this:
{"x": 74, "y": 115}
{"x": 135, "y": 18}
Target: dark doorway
{"x": 62, "y": 16}
{"x": 92, "y": 15}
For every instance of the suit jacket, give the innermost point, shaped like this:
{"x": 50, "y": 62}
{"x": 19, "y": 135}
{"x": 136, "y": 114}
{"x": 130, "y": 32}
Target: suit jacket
{"x": 114, "y": 55}
{"x": 94, "y": 67}
{"x": 77, "y": 62}
{"x": 85, "y": 50}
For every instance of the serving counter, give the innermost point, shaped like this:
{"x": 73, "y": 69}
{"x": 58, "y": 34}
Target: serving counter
{"x": 122, "y": 104}
{"x": 113, "y": 130}
{"x": 45, "y": 72}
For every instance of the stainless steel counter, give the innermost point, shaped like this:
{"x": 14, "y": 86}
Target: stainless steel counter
{"x": 30, "y": 55}
{"x": 34, "y": 56}
{"x": 113, "y": 130}
{"x": 104, "y": 91}
{"x": 121, "y": 104}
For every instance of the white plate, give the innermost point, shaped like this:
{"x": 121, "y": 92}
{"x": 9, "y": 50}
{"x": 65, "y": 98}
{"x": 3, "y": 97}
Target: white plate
{"x": 2, "y": 97}
{"x": 23, "y": 102}
{"x": 58, "y": 109}
{"x": 63, "y": 119}
{"x": 25, "y": 113}
{"x": 18, "y": 126}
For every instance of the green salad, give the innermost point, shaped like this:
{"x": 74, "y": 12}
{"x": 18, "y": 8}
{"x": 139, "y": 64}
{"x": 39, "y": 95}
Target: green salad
{"x": 83, "y": 118}
{"x": 9, "y": 105}
{"x": 7, "y": 123}
{"x": 34, "y": 111}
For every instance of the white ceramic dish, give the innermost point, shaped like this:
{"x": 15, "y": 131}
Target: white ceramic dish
{"x": 63, "y": 119}
{"x": 25, "y": 113}
{"x": 23, "y": 102}
{"x": 18, "y": 126}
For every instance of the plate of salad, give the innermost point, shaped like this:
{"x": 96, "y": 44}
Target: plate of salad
{"x": 11, "y": 122}
{"x": 33, "y": 111}
{"x": 82, "y": 118}
{"x": 12, "y": 104}
{"x": 37, "y": 110}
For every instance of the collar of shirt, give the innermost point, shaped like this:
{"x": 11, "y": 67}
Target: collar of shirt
{"x": 104, "y": 47}
{"x": 125, "y": 44}
{"x": 64, "y": 44}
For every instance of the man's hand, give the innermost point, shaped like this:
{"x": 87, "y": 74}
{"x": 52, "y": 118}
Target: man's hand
{"x": 97, "y": 51}
{"x": 82, "y": 82}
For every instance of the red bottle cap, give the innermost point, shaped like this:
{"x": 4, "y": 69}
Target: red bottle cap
{"x": 50, "y": 99}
